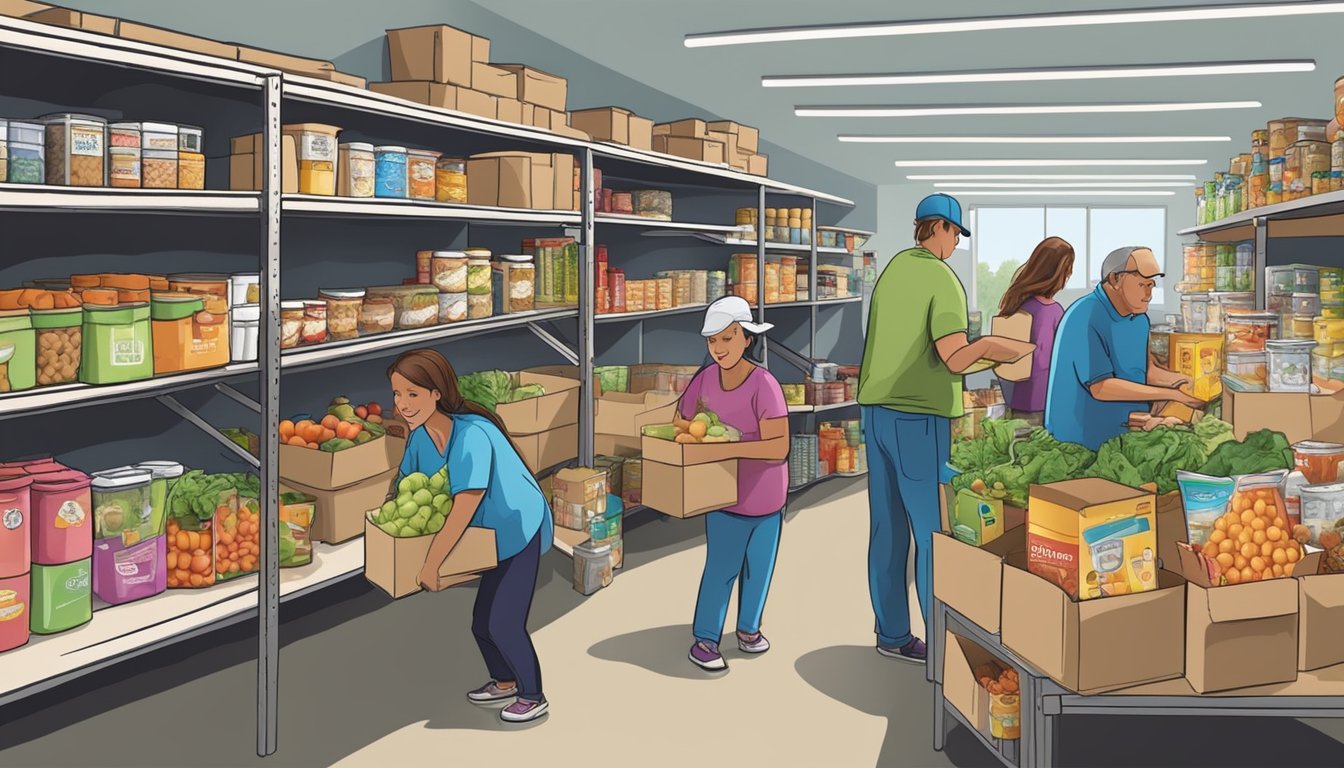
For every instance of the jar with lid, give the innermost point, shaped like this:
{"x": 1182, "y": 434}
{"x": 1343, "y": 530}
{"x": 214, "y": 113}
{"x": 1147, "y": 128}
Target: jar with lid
{"x": 291, "y": 324}
{"x": 420, "y": 174}
{"x": 378, "y": 314}
{"x": 478, "y": 277}
{"x": 1301, "y": 159}
{"x": 1315, "y": 160}
{"x": 1274, "y": 193}
{"x": 450, "y": 180}
{"x": 1334, "y": 133}
{"x": 59, "y": 334}
{"x": 448, "y": 271}
{"x": 317, "y": 156}
{"x": 521, "y": 282}
{"x": 343, "y": 310}
{"x": 1289, "y": 364}
{"x": 479, "y": 307}
{"x": 389, "y": 172}
{"x": 76, "y": 147}
{"x": 355, "y": 177}
{"x": 314, "y": 322}
{"x": 27, "y": 153}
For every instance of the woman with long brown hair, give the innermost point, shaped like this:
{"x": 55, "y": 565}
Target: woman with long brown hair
{"x": 1033, "y": 292}
{"x": 491, "y": 488}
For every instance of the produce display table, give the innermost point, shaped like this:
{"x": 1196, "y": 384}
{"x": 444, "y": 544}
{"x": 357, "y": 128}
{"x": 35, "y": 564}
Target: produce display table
{"x": 1316, "y": 694}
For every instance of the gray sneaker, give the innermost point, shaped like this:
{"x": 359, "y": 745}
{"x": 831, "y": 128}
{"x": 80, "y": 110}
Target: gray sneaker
{"x": 491, "y": 693}
{"x": 752, "y": 643}
{"x": 913, "y": 651}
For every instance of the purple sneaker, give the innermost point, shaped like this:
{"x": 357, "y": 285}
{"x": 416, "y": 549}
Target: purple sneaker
{"x": 523, "y": 711}
{"x": 913, "y": 651}
{"x": 705, "y": 655}
{"x": 752, "y": 643}
{"x": 491, "y": 693}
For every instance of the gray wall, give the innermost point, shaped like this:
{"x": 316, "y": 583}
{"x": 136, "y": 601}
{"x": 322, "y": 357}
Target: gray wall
{"x": 350, "y": 33}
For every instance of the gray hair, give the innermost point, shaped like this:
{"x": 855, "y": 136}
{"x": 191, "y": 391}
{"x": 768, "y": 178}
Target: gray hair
{"x": 1117, "y": 260}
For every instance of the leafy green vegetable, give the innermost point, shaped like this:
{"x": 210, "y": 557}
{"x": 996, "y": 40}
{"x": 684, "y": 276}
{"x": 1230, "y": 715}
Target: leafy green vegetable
{"x": 1263, "y": 451}
{"x": 999, "y": 457}
{"x": 526, "y": 392}
{"x": 1214, "y": 432}
{"x": 1153, "y": 456}
{"x": 195, "y": 495}
{"x": 487, "y": 388}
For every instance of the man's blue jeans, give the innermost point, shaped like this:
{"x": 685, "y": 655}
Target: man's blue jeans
{"x": 907, "y": 457}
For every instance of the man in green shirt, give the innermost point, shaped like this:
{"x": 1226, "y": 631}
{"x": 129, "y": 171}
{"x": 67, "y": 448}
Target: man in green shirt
{"x": 914, "y": 356}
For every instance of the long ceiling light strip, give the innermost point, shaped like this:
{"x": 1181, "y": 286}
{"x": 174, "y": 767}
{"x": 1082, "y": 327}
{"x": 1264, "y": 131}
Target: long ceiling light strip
{"x": 1064, "y": 185}
{"x": 1039, "y": 163}
{"x": 860, "y": 139}
{"x": 1051, "y": 177}
{"x": 1044, "y": 74}
{"x": 1064, "y": 193}
{"x": 1021, "y": 21}
{"x": 1018, "y": 109}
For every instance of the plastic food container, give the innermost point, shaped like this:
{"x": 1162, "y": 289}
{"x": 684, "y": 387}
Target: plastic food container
{"x": 1248, "y": 331}
{"x": 1318, "y": 461}
{"x": 164, "y": 475}
{"x": 389, "y": 172}
{"x": 1194, "y": 311}
{"x": 187, "y": 335}
{"x": 1289, "y": 364}
{"x": 1248, "y": 366}
{"x": 124, "y": 167}
{"x": 123, "y": 135}
{"x": 377, "y": 315}
{"x": 190, "y": 138}
{"x": 190, "y": 560}
{"x": 27, "y": 154}
{"x": 165, "y": 136}
{"x": 16, "y": 519}
{"x": 59, "y": 335}
{"x": 76, "y": 150}
{"x": 158, "y": 168}
{"x": 244, "y": 289}
{"x": 450, "y": 180}
{"x": 18, "y": 355}
{"x": 592, "y": 568}
{"x": 1328, "y": 330}
{"x": 317, "y": 157}
{"x": 123, "y": 506}
{"x": 125, "y": 573}
{"x": 190, "y": 170}
{"x": 291, "y": 324}
{"x": 1300, "y": 327}
{"x": 1306, "y": 304}
{"x": 118, "y": 344}
{"x": 62, "y": 529}
{"x": 1159, "y": 344}
{"x": 1325, "y": 368}
{"x": 416, "y": 306}
{"x": 421, "y": 174}
{"x": 1293, "y": 278}
{"x": 448, "y": 271}
{"x": 314, "y": 322}
{"x": 452, "y": 307}
{"x": 356, "y": 174}
{"x": 1322, "y": 507}
{"x": 1221, "y": 303}
{"x": 62, "y": 597}
{"x": 14, "y": 611}
{"x": 343, "y": 309}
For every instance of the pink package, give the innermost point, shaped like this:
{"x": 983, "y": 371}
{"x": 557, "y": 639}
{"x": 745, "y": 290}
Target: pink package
{"x": 123, "y": 574}
{"x": 62, "y": 525}
{"x": 16, "y": 546}
{"x": 14, "y": 630}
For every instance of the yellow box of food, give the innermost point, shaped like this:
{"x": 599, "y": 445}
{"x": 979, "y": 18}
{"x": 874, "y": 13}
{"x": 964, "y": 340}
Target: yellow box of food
{"x": 1092, "y": 537}
{"x": 1200, "y": 357}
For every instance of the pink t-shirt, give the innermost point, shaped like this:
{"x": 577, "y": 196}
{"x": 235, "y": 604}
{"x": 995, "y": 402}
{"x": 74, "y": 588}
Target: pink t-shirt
{"x": 762, "y": 486}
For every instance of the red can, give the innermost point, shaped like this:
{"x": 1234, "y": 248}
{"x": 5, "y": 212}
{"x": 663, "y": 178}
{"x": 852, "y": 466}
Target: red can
{"x": 16, "y": 547}
{"x": 14, "y": 611}
{"x": 62, "y": 522}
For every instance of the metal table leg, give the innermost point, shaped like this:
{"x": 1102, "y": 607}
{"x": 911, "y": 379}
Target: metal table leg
{"x": 1030, "y": 756}
{"x": 939, "y": 718}
{"x": 934, "y": 643}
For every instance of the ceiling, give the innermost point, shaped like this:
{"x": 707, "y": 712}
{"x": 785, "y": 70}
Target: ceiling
{"x": 644, "y": 40}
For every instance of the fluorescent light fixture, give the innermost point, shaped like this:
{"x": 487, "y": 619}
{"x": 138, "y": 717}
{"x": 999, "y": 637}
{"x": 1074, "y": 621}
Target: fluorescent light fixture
{"x": 1037, "y": 163}
{"x": 951, "y": 110}
{"x": 1062, "y": 185}
{"x": 857, "y": 139}
{"x": 1052, "y": 177}
{"x": 1044, "y": 74}
{"x": 1064, "y": 193}
{"x": 1021, "y": 21}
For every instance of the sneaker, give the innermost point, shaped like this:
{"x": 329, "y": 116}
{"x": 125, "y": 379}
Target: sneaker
{"x": 523, "y": 711}
{"x": 491, "y": 693}
{"x": 752, "y": 643}
{"x": 913, "y": 651}
{"x": 706, "y": 655}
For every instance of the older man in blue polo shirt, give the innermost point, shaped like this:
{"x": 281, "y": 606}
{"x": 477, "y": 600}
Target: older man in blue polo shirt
{"x": 1101, "y": 371}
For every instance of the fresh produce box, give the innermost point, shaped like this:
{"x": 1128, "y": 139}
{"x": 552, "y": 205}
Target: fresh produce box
{"x": 625, "y": 415}
{"x": 688, "y": 491}
{"x": 527, "y": 402}
{"x": 392, "y": 562}
{"x": 544, "y": 450}
{"x": 339, "y": 450}
{"x": 1320, "y": 620}
{"x": 340, "y": 512}
{"x": 678, "y": 443}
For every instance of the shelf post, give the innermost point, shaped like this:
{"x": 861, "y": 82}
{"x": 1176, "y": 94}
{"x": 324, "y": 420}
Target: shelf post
{"x": 760, "y": 268}
{"x": 268, "y": 592}
{"x": 587, "y": 296}
{"x": 812, "y": 287}
{"x": 1261, "y": 259}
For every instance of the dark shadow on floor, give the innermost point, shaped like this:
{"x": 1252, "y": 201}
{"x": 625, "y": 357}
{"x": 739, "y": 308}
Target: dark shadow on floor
{"x": 660, "y": 650}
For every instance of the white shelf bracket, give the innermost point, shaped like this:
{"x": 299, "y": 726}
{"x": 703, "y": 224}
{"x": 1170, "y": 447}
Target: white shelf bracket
{"x": 171, "y": 403}
{"x": 554, "y": 343}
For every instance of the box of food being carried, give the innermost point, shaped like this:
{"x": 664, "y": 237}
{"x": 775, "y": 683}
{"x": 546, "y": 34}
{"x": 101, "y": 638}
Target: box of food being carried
{"x": 1093, "y": 538}
{"x": 393, "y": 563}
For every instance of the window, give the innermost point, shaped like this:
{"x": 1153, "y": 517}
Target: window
{"x": 1005, "y": 237}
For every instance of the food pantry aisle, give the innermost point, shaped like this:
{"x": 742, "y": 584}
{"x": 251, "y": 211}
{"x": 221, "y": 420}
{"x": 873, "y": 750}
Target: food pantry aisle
{"x": 376, "y": 683}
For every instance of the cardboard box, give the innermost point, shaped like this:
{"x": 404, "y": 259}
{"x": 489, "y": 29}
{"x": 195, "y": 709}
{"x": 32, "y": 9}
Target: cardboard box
{"x": 748, "y": 138}
{"x": 354, "y": 81}
{"x": 559, "y": 407}
{"x": 604, "y": 123}
{"x": 1320, "y": 606}
{"x": 144, "y": 33}
{"x": 625, "y": 415}
{"x": 283, "y": 61}
{"x": 689, "y": 491}
{"x": 562, "y": 127}
{"x": 393, "y": 563}
{"x": 1299, "y": 416}
{"x": 1092, "y": 537}
{"x": 960, "y": 658}
{"x": 534, "y": 180}
{"x": 740, "y": 161}
{"x": 509, "y": 110}
{"x": 1170, "y": 530}
{"x": 20, "y": 8}
{"x": 340, "y": 513}
{"x": 577, "y": 496}
{"x": 330, "y": 471}
{"x": 441, "y": 95}
{"x": 541, "y": 117}
{"x": 705, "y": 150}
{"x": 493, "y": 80}
{"x": 758, "y": 165}
{"x": 729, "y": 141}
{"x": 674, "y": 453}
{"x": 640, "y": 133}
{"x": 547, "y": 449}
{"x": 616, "y": 445}
{"x": 539, "y": 88}
{"x": 438, "y": 53}
{"x": 691, "y": 128}
{"x": 1093, "y": 646}
{"x": 64, "y": 17}
{"x": 979, "y": 520}
{"x": 248, "y": 158}
{"x": 970, "y": 579}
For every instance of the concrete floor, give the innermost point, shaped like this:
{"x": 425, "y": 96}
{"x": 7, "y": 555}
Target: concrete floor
{"x": 366, "y": 681}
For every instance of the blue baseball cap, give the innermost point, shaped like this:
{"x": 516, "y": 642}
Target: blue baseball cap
{"x": 943, "y": 207}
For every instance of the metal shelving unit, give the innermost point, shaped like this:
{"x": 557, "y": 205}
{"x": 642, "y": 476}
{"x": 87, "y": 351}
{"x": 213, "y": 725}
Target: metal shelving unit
{"x": 135, "y": 629}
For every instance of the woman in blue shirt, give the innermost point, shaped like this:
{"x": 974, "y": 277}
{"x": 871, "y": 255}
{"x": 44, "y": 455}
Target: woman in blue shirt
{"x": 491, "y": 488}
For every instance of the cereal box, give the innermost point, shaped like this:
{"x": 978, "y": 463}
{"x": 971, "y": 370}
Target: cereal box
{"x": 1092, "y": 537}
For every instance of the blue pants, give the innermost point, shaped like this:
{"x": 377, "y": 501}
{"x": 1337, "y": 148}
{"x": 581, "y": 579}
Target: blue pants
{"x": 907, "y": 454}
{"x": 499, "y": 621}
{"x": 736, "y": 545}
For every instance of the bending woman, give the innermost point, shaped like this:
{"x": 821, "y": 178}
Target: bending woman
{"x": 1033, "y": 291}
{"x": 491, "y": 488}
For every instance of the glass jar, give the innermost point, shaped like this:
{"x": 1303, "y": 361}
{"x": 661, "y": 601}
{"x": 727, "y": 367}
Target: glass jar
{"x": 158, "y": 169}
{"x": 314, "y": 322}
{"x": 420, "y": 174}
{"x": 479, "y": 307}
{"x": 123, "y": 167}
{"x": 1318, "y": 461}
{"x": 452, "y": 307}
{"x": 190, "y": 170}
{"x": 1296, "y": 172}
{"x": 448, "y": 271}
{"x": 1248, "y": 331}
{"x": 291, "y": 324}
{"x": 343, "y": 308}
{"x": 478, "y": 277}
{"x": 1320, "y": 508}
{"x": 522, "y": 281}
{"x": 76, "y": 148}
{"x": 389, "y": 172}
{"x": 317, "y": 157}
{"x": 1248, "y": 366}
{"x": 450, "y": 180}
{"x": 356, "y": 172}
{"x": 377, "y": 315}
{"x": 59, "y": 334}
{"x": 1315, "y": 159}
{"x": 1289, "y": 365}
{"x": 27, "y": 153}
{"x": 1274, "y": 193}
{"x": 160, "y": 136}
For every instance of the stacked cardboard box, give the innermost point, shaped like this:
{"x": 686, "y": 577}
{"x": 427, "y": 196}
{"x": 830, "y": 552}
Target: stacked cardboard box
{"x": 545, "y": 429}
{"x": 723, "y": 142}
{"x": 615, "y": 125}
{"x": 522, "y": 180}
{"x": 347, "y": 484}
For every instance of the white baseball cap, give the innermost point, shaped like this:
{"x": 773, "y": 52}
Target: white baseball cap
{"x": 729, "y": 310}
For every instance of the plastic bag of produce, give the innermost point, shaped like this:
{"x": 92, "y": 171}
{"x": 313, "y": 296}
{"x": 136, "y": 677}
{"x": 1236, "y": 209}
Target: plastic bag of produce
{"x": 297, "y": 511}
{"x": 1205, "y": 499}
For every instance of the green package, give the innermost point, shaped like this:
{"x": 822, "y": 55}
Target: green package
{"x": 62, "y": 596}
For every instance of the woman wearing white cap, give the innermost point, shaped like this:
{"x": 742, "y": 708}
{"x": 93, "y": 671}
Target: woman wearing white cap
{"x": 741, "y": 541}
